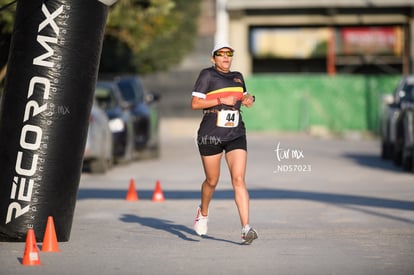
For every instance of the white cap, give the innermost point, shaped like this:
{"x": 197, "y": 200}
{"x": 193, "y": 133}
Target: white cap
{"x": 221, "y": 45}
{"x": 108, "y": 2}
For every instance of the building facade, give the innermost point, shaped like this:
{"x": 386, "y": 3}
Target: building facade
{"x": 319, "y": 36}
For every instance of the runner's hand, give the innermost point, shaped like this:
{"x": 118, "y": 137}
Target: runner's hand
{"x": 247, "y": 100}
{"x": 229, "y": 100}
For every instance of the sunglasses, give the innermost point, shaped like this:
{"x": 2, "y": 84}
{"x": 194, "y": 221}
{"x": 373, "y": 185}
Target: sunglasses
{"x": 223, "y": 53}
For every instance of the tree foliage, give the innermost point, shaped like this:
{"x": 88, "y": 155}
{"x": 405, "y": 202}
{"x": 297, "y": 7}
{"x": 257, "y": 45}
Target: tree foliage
{"x": 148, "y": 35}
{"x": 7, "y": 11}
{"x": 141, "y": 36}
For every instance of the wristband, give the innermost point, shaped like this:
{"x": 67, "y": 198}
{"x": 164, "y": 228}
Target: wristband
{"x": 218, "y": 101}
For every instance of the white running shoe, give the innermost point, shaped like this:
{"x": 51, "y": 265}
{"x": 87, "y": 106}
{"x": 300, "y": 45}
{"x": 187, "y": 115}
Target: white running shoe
{"x": 248, "y": 235}
{"x": 200, "y": 223}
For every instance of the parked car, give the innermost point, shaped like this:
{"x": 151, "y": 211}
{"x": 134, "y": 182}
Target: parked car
{"x": 144, "y": 107}
{"x": 98, "y": 156}
{"x": 401, "y": 123}
{"x": 407, "y": 155}
{"x": 109, "y": 98}
{"x": 392, "y": 132}
{"x": 404, "y": 144}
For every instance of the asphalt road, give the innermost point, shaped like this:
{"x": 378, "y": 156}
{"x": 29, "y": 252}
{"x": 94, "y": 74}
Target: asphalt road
{"x": 320, "y": 206}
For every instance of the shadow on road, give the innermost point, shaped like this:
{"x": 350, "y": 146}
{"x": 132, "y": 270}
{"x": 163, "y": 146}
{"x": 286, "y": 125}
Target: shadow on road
{"x": 179, "y": 230}
{"x": 373, "y": 161}
{"x": 353, "y": 202}
{"x": 159, "y": 224}
{"x": 255, "y": 194}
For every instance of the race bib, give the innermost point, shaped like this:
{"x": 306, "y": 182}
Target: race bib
{"x": 228, "y": 118}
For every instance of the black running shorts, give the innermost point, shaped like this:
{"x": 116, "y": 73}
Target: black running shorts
{"x": 213, "y": 146}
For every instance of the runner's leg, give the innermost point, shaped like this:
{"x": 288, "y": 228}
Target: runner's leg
{"x": 211, "y": 165}
{"x": 236, "y": 161}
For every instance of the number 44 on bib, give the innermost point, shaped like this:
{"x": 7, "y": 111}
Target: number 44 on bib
{"x": 228, "y": 118}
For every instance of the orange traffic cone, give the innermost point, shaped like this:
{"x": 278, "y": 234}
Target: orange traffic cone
{"x": 31, "y": 252}
{"x": 132, "y": 194}
{"x": 50, "y": 243}
{"x": 158, "y": 195}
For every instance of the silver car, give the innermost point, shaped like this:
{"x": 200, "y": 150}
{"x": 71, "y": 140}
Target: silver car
{"x": 98, "y": 157}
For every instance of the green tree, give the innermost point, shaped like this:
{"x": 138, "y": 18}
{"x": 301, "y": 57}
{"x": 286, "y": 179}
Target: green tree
{"x": 141, "y": 36}
{"x": 7, "y": 10}
{"x": 144, "y": 36}
{"x": 169, "y": 48}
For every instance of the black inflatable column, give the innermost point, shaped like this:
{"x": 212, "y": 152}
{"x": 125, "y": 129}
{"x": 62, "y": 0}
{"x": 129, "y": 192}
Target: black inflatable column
{"x": 52, "y": 72}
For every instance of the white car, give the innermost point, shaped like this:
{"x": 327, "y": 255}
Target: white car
{"x": 98, "y": 156}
